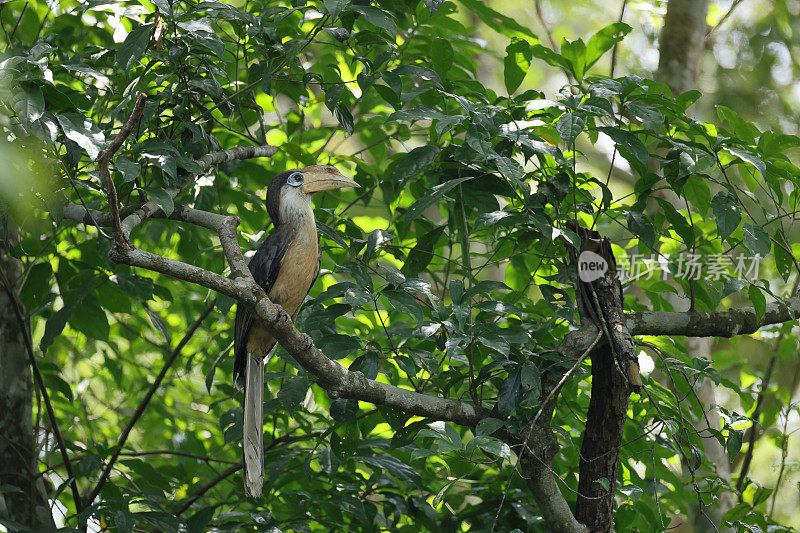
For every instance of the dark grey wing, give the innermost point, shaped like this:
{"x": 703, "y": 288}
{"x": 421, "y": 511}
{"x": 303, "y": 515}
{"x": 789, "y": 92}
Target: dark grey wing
{"x": 265, "y": 265}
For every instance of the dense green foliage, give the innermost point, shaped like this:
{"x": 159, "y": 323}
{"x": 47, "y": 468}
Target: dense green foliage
{"x": 445, "y": 273}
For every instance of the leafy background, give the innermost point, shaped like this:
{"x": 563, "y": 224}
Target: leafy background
{"x": 473, "y": 141}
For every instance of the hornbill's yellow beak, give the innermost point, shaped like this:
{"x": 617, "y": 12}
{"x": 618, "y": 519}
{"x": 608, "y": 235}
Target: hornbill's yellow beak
{"x": 319, "y": 178}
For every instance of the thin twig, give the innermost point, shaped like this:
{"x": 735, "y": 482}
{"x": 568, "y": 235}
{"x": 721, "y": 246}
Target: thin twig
{"x": 8, "y": 41}
{"x": 10, "y": 37}
{"x": 724, "y": 17}
{"x": 566, "y": 376}
{"x": 143, "y": 404}
{"x": 103, "y": 159}
{"x": 755, "y": 417}
{"x": 616, "y": 44}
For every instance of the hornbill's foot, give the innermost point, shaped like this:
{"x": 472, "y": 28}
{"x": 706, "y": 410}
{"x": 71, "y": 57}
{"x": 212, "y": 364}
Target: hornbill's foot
{"x": 283, "y": 315}
{"x": 308, "y": 343}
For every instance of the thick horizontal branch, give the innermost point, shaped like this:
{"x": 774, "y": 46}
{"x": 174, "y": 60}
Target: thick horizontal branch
{"x": 729, "y": 323}
{"x": 741, "y": 321}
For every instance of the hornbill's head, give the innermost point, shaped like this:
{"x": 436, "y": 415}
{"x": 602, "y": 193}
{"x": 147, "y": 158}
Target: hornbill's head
{"x": 289, "y": 193}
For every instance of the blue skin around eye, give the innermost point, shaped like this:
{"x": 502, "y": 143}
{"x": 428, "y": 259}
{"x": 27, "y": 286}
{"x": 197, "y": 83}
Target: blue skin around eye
{"x": 295, "y": 179}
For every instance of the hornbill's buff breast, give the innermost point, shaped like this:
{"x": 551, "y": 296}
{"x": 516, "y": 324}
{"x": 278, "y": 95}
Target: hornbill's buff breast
{"x": 285, "y": 266}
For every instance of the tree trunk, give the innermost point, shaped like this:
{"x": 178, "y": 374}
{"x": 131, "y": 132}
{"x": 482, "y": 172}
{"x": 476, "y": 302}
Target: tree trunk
{"x": 602, "y": 438}
{"x": 682, "y": 44}
{"x": 615, "y": 373}
{"x": 26, "y": 503}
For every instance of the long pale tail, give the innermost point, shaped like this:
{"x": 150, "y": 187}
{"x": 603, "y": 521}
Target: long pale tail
{"x": 253, "y": 442}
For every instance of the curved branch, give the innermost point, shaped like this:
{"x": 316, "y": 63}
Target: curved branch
{"x": 337, "y": 380}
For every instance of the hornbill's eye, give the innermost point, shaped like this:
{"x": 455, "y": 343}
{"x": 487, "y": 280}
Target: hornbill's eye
{"x": 295, "y": 179}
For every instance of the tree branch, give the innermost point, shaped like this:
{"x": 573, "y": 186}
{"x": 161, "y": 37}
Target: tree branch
{"x": 729, "y": 323}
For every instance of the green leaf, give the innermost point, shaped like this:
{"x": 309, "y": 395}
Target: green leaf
{"x": 513, "y": 171}
{"x": 441, "y": 52}
{"x": 499, "y": 308}
{"x": 516, "y": 63}
{"x": 416, "y": 71}
{"x": 678, "y": 222}
{"x": 130, "y": 170}
{"x": 757, "y": 240}
{"x": 500, "y": 23}
{"x": 415, "y": 162}
{"x": 437, "y": 500}
{"x": 377, "y": 17}
{"x": 162, "y": 521}
{"x": 124, "y": 521}
{"x": 54, "y": 326}
{"x": 734, "y": 443}
{"x": 37, "y": 289}
{"x": 575, "y": 54}
{"x": 433, "y": 196}
{"x": 484, "y": 287}
{"x": 332, "y": 234}
{"x": 749, "y": 157}
{"x": 421, "y": 255}
{"x": 293, "y": 392}
{"x": 727, "y": 212}
{"x": 336, "y": 346}
{"x": 531, "y": 378}
{"x": 82, "y": 131}
{"x": 29, "y": 103}
{"x": 404, "y": 302}
{"x": 602, "y": 41}
{"x": 491, "y": 446}
{"x": 508, "y": 394}
{"x": 632, "y": 492}
{"x": 698, "y": 193}
{"x": 758, "y": 300}
{"x": 569, "y": 126}
{"x": 550, "y": 57}
{"x": 335, "y": 7}
{"x": 375, "y": 240}
{"x": 627, "y": 141}
{"x": 487, "y": 426}
{"x": 640, "y": 225}
{"x": 134, "y": 46}
{"x": 162, "y": 200}
{"x": 456, "y": 290}
{"x": 345, "y": 118}
{"x": 202, "y": 34}
{"x": 603, "y": 482}
{"x": 90, "y": 319}
{"x": 651, "y": 118}
{"x": 783, "y": 259}
{"x": 433, "y": 5}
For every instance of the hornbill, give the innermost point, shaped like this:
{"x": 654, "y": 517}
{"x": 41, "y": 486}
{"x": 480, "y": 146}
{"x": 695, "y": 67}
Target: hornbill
{"x": 285, "y": 266}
